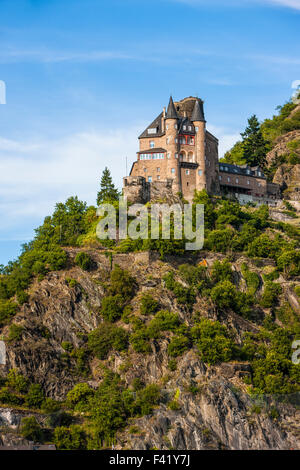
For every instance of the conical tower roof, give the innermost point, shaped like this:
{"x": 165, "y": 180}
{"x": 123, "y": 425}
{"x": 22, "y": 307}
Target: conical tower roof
{"x": 198, "y": 112}
{"x": 171, "y": 112}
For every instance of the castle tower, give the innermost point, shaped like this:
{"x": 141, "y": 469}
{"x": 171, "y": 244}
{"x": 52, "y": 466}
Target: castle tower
{"x": 200, "y": 128}
{"x": 172, "y": 146}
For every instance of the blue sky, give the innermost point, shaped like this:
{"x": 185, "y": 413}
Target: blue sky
{"x": 83, "y": 78}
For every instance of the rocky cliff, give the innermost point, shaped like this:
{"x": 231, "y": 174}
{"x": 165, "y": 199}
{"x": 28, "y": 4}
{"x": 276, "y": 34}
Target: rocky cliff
{"x": 213, "y": 408}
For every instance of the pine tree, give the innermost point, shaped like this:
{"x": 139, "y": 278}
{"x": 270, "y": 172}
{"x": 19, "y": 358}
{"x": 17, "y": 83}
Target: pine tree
{"x": 108, "y": 191}
{"x": 254, "y": 144}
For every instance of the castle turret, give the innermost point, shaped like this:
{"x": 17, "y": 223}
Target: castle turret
{"x": 200, "y": 129}
{"x": 171, "y": 132}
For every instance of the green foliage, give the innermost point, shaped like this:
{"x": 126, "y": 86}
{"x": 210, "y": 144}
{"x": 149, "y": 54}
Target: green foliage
{"x": 84, "y": 261}
{"x": 78, "y": 397}
{"x": 50, "y": 406}
{"x": 108, "y": 192}
{"x": 270, "y": 294}
{"x": 221, "y": 271}
{"x": 184, "y": 295}
{"x": 35, "y": 396}
{"x": 219, "y": 240}
{"x": 30, "y": 429}
{"x": 122, "y": 283}
{"x": 22, "y": 297}
{"x": 211, "y": 339}
{"x": 289, "y": 262}
{"x": 273, "y": 128}
{"x": 163, "y": 321}
{"x": 254, "y": 144}
{"x": 72, "y": 438}
{"x": 139, "y": 340}
{"x": 17, "y": 381}
{"x": 15, "y": 332}
{"x": 252, "y": 279}
{"x": 106, "y": 338}
{"x": 8, "y": 309}
{"x": 112, "y": 307}
{"x": 224, "y": 294}
{"x": 67, "y": 346}
{"x": 149, "y": 305}
{"x": 178, "y": 345}
{"x": 235, "y": 156}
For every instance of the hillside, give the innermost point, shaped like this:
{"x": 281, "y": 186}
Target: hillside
{"x": 143, "y": 345}
{"x": 281, "y": 136}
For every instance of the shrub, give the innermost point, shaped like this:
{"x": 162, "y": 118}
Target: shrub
{"x": 8, "y": 309}
{"x": 50, "y": 406}
{"x": 270, "y": 294}
{"x": 221, "y": 271}
{"x": 15, "y": 332}
{"x": 22, "y": 297}
{"x": 212, "y": 341}
{"x": 163, "y": 321}
{"x": 178, "y": 345}
{"x": 172, "y": 365}
{"x": 112, "y": 307}
{"x": 9, "y": 398}
{"x": 79, "y": 396}
{"x": 148, "y": 305}
{"x": 289, "y": 262}
{"x": 35, "y": 396}
{"x": 72, "y": 438}
{"x": 105, "y": 338}
{"x": 252, "y": 279}
{"x": 139, "y": 340}
{"x": 84, "y": 261}
{"x": 147, "y": 398}
{"x": 17, "y": 381}
{"x": 67, "y": 346}
{"x": 224, "y": 294}
{"x": 122, "y": 283}
{"x": 30, "y": 429}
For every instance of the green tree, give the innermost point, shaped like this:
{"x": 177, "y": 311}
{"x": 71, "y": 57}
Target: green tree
{"x": 254, "y": 144}
{"x": 108, "y": 192}
{"x": 30, "y": 429}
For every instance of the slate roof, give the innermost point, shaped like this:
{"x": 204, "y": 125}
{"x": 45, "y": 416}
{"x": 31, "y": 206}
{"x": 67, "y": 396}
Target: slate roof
{"x": 153, "y": 150}
{"x": 198, "y": 112}
{"x": 241, "y": 170}
{"x": 171, "y": 111}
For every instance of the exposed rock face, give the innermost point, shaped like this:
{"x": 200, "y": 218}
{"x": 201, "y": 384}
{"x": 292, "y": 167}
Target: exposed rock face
{"x": 287, "y": 175}
{"x": 218, "y": 417}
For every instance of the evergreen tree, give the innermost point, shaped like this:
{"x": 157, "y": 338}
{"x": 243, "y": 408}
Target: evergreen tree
{"x": 108, "y": 191}
{"x": 254, "y": 144}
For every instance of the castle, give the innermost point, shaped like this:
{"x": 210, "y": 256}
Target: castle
{"x": 178, "y": 155}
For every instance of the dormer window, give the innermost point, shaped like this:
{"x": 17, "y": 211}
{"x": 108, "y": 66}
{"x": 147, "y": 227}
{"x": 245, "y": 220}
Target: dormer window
{"x": 184, "y": 128}
{"x": 152, "y": 130}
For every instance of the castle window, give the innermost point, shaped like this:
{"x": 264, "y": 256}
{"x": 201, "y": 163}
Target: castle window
{"x": 199, "y": 172}
{"x": 158, "y": 169}
{"x": 167, "y": 126}
{"x": 149, "y": 179}
{"x": 176, "y": 155}
{"x": 184, "y": 128}
{"x": 237, "y": 180}
{"x": 220, "y": 178}
{"x": 145, "y": 170}
{"x": 152, "y": 130}
{"x": 158, "y": 177}
{"x": 196, "y": 129}
{"x": 175, "y": 126}
{"x": 172, "y": 170}
{"x": 228, "y": 179}
{"x": 187, "y": 172}
{"x": 168, "y": 140}
{"x": 221, "y": 168}
{"x": 176, "y": 141}
{"x": 168, "y": 155}
{"x": 152, "y": 143}
{"x": 248, "y": 182}
{"x": 190, "y": 128}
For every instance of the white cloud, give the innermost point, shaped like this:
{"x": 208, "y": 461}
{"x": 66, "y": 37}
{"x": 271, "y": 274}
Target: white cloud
{"x": 226, "y": 139}
{"x": 34, "y": 176}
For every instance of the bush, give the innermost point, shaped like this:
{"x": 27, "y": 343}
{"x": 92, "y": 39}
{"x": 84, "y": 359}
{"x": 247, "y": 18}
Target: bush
{"x": 8, "y": 309}
{"x": 147, "y": 398}
{"x": 30, "y": 429}
{"x": 79, "y": 396}
{"x": 22, "y": 297}
{"x": 72, "y": 438}
{"x": 112, "y": 307}
{"x": 270, "y": 294}
{"x": 252, "y": 279}
{"x": 105, "y": 338}
{"x": 50, "y": 406}
{"x": 224, "y": 295}
{"x": 35, "y": 396}
{"x": 139, "y": 340}
{"x": 221, "y": 271}
{"x": 67, "y": 346}
{"x": 15, "y": 332}
{"x": 163, "y": 321}
{"x": 84, "y": 261}
{"x": 148, "y": 305}
{"x": 211, "y": 339}
{"x": 122, "y": 283}
{"x": 178, "y": 345}
{"x": 17, "y": 381}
